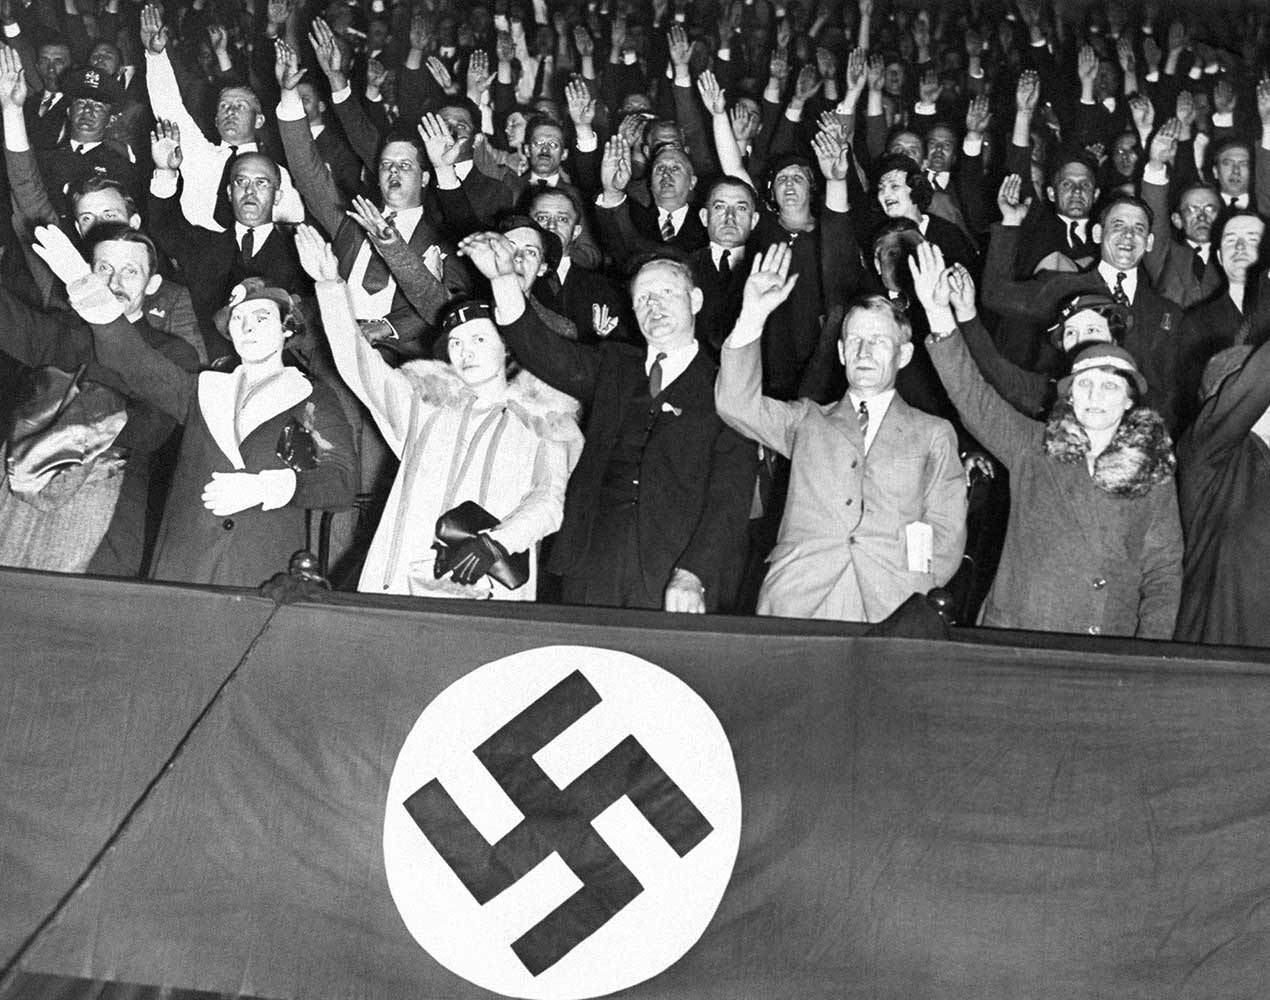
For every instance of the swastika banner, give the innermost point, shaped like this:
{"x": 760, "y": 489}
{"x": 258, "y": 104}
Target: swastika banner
{"x": 199, "y": 792}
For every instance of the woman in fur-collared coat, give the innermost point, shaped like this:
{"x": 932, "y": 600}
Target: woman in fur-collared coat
{"x": 471, "y": 429}
{"x": 1094, "y": 540}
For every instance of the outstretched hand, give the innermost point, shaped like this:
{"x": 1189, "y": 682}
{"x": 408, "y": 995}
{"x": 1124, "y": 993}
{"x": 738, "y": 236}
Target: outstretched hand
{"x": 930, "y": 278}
{"x": 165, "y": 145}
{"x": 56, "y": 250}
{"x": 490, "y": 253}
{"x": 1013, "y": 209}
{"x": 768, "y": 285}
{"x": 316, "y": 256}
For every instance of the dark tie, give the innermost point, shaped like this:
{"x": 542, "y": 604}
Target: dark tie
{"x": 1198, "y": 266}
{"x": 1118, "y": 293}
{"x": 935, "y": 182}
{"x": 541, "y": 183}
{"x": 864, "y": 419}
{"x": 667, "y": 229}
{"x": 654, "y": 376}
{"x": 223, "y": 213}
{"x": 725, "y": 264}
{"x": 249, "y": 243}
{"x": 46, "y": 104}
{"x": 376, "y": 277}
{"x": 1073, "y": 235}
{"x": 79, "y": 148}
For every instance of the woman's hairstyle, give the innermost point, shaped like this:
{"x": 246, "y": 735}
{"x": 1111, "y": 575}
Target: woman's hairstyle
{"x": 919, "y": 185}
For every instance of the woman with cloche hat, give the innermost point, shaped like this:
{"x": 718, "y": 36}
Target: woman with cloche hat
{"x": 1094, "y": 542}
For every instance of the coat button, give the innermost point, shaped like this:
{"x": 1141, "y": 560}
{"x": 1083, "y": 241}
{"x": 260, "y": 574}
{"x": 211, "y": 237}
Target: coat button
{"x": 1095, "y": 630}
{"x": 854, "y": 463}
{"x": 228, "y": 524}
{"x": 851, "y": 539}
{"x": 849, "y": 503}
{"x": 1098, "y": 583}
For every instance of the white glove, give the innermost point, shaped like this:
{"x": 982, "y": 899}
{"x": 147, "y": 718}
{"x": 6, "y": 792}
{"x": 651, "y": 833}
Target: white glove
{"x": 229, "y": 492}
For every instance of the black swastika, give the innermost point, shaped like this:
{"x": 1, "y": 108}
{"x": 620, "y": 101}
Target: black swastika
{"x": 557, "y": 820}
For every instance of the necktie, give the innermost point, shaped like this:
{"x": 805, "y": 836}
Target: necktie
{"x": 376, "y": 277}
{"x": 725, "y": 264}
{"x": 223, "y": 213}
{"x": 79, "y": 148}
{"x": 667, "y": 229}
{"x": 864, "y": 419}
{"x": 654, "y": 376}
{"x": 541, "y": 183}
{"x": 935, "y": 182}
{"x": 249, "y": 243}
{"x": 1198, "y": 266}
{"x": 1118, "y": 293}
{"x": 1073, "y": 235}
{"x": 46, "y": 103}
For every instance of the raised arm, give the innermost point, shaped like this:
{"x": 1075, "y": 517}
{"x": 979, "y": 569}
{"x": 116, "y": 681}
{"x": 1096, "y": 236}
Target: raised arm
{"x": 738, "y": 393}
{"x": 308, "y": 169}
{"x": 165, "y": 95}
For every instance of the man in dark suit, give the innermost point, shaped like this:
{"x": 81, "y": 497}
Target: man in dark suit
{"x": 656, "y": 511}
{"x": 629, "y": 229}
{"x": 46, "y": 109}
{"x": 597, "y": 308}
{"x": 1124, "y": 236}
{"x": 1184, "y": 270}
{"x": 720, "y": 267}
{"x": 213, "y": 262}
{"x": 1063, "y": 227}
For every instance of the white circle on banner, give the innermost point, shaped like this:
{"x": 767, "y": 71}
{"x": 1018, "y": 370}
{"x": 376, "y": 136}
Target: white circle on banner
{"x": 515, "y": 942}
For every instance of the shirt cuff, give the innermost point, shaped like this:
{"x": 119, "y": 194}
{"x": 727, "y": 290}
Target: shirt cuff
{"x": 451, "y": 183}
{"x": 587, "y": 144}
{"x": 290, "y": 107}
{"x": 1223, "y": 119}
{"x": 1154, "y": 173}
{"x": 342, "y": 95}
{"x": 924, "y": 108}
{"x": 1153, "y": 76}
{"x": 725, "y": 54}
{"x": 12, "y": 30}
{"x": 600, "y": 204}
{"x": 1195, "y": 73}
{"x": 162, "y": 185}
{"x": 971, "y": 147}
{"x": 277, "y": 487}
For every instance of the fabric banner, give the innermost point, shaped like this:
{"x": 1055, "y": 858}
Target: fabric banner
{"x": 677, "y": 808}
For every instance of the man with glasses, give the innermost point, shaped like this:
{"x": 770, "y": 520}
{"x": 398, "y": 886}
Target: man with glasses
{"x": 588, "y": 299}
{"x": 215, "y": 262}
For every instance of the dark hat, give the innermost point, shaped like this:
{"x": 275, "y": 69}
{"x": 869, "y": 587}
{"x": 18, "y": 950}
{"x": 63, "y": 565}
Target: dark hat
{"x": 551, "y": 248}
{"x": 1110, "y": 357}
{"x": 247, "y": 290}
{"x": 455, "y": 316}
{"x": 94, "y": 85}
{"x": 1103, "y": 305}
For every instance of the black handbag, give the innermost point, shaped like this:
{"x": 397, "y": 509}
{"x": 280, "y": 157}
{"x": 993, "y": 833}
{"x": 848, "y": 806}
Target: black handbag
{"x": 468, "y": 520}
{"x": 61, "y": 426}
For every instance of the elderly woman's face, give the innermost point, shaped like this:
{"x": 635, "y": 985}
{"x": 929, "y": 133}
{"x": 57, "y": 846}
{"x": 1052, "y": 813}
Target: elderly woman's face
{"x": 1100, "y": 398}
{"x": 477, "y": 352}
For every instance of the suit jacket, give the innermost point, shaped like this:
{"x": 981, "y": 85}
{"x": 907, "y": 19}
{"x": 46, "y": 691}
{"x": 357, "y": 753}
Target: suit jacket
{"x": 696, "y": 475}
{"x": 574, "y": 298}
{"x": 64, "y": 169}
{"x": 213, "y": 263}
{"x": 1207, "y": 329}
{"x": 721, "y": 295}
{"x": 1169, "y": 260}
{"x": 1044, "y": 233}
{"x": 630, "y": 229}
{"x": 45, "y": 132}
{"x": 841, "y": 552}
{"x": 323, "y": 201}
{"x": 1152, "y": 340}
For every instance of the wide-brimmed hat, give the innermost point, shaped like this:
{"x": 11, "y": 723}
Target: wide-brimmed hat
{"x": 1109, "y": 357}
{"x": 94, "y": 85}
{"x": 247, "y": 290}
{"x": 1103, "y": 305}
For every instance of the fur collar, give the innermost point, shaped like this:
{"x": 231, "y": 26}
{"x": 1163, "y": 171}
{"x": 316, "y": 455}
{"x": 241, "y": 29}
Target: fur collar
{"x": 548, "y": 412}
{"x": 1139, "y": 457}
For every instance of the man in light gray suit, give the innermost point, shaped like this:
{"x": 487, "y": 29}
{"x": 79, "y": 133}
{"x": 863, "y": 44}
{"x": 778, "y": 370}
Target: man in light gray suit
{"x": 877, "y": 501}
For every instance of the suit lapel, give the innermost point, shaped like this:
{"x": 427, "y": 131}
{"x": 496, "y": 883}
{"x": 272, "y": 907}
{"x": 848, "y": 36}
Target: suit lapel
{"x": 217, "y": 398}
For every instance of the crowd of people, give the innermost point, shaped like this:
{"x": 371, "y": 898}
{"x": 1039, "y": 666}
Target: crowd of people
{"x": 747, "y": 305}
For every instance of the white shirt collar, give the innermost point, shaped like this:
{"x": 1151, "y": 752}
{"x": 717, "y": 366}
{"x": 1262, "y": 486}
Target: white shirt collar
{"x": 1238, "y": 200}
{"x": 878, "y": 406}
{"x": 1130, "y": 279}
{"x": 736, "y": 255}
{"x": 676, "y": 217}
{"x": 562, "y": 271}
{"x": 1082, "y": 225}
{"x": 258, "y": 237}
{"x": 317, "y": 128}
{"x": 551, "y": 180}
{"x": 463, "y": 169}
{"x": 1204, "y": 249}
{"x": 84, "y": 147}
{"x": 673, "y": 364}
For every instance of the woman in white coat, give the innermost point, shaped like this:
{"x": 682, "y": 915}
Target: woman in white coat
{"x": 471, "y": 429}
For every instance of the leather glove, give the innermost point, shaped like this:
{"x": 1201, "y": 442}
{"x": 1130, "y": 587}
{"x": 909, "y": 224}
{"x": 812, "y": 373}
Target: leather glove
{"x": 473, "y": 558}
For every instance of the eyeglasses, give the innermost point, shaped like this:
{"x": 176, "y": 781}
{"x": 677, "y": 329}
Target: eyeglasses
{"x": 1194, "y": 211}
{"x": 549, "y": 221}
{"x": 258, "y": 184}
{"x": 546, "y": 145}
